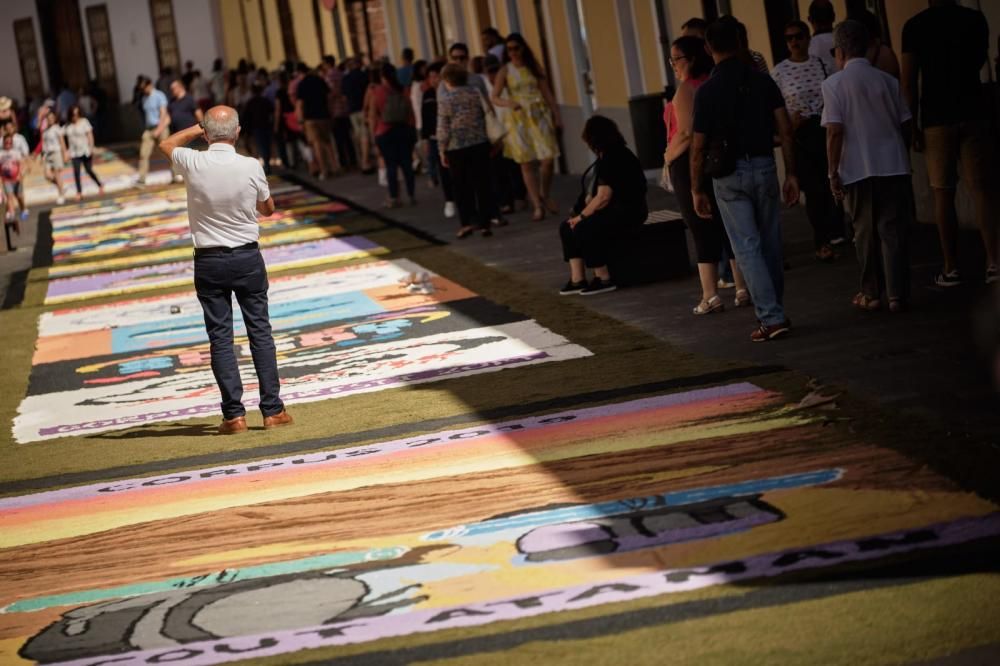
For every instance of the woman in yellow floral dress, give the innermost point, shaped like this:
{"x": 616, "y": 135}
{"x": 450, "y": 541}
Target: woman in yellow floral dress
{"x": 531, "y": 123}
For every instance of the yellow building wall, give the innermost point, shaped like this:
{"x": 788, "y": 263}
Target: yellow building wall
{"x": 751, "y": 13}
{"x": 329, "y": 37}
{"x": 344, "y": 29}
{"x": 606, "y": 62}
{"x": 233, "y": 44}
{"x": 679, "y": 11}
{"x": 413, "y": 29}
{"x": 393, "y": 31}
{"x": 529, "y": 26}
{"x": 648, "y": 47}
{"x": 839, "y": 10}
{"x": 502, "y": 20}
{"x": 472, "y": 32}
{"x": 562, "y": 53}
{"x": 304, "y": 26}
{"x": 897, "y": 13}
{"x": 274, "y": 33}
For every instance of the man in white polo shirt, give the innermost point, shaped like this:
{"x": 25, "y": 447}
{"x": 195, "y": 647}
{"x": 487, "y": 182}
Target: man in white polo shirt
{"x": 864, "y": 115}
{"x": 225, "y": 191}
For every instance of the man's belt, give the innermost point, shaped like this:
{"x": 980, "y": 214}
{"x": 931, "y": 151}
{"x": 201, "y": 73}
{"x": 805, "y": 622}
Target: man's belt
{"x": 209, "y": 251}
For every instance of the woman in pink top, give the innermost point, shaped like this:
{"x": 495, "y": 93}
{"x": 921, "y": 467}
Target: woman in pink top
{"x": 394, "y": 126}
{"x": 692, "y": 66}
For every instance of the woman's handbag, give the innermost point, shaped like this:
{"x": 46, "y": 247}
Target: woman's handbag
{"x": 495, "y": 130}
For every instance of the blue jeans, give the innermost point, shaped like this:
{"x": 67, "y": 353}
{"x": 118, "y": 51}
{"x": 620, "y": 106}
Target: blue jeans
{"x": 748, "y": 200}
{"x": 217, "y": 277}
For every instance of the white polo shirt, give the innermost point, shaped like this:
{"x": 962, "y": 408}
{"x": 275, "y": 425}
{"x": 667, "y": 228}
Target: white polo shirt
{"x": 868, "y": 103}
{"x": 223, "y": 189}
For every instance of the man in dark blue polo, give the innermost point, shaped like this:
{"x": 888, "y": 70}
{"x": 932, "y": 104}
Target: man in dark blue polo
{"x": 737, "y": 112}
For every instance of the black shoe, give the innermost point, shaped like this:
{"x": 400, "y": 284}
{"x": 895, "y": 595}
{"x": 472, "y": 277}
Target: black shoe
{"x": 598, "y": 286}
{"x": 571, "y": 288}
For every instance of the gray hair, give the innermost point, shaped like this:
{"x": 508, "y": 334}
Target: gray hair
{"x": 852, "y": 38}
{"x": 223, "y": 129}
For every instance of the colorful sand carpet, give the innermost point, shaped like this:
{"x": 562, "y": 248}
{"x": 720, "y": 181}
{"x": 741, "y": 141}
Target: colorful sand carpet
{"x": 480, "y": 472}
{"x": 115, "y": 173}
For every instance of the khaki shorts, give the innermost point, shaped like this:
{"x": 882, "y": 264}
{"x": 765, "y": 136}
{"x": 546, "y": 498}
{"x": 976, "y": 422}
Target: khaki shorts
{"x": 317, "y": 131}
{"x": 968, "y": 143}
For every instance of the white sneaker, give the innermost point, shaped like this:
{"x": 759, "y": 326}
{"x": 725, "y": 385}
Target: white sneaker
{"x": 60, "y": 200}
{"x": 449, "y": 209}
{"x": 178, "y": 178}
{"x": 383, "y": 179}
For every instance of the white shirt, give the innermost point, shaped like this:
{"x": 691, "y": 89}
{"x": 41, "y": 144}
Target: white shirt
{"x": 867, "y": 102}
{"x": 819, "y": 47}
{"x": 20, "y": 146}
{"x": 52, "y": 140}
{"x": 223, "y": 189}
{"x": 801, "y": 84}
{"x": 78, "y": 137}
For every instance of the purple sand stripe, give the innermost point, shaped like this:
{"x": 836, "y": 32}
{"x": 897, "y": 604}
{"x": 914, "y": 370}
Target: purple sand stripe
{"x": 386, "y": 448}
{"x": 666, "y": 581}
{"x": 273, "y": 256}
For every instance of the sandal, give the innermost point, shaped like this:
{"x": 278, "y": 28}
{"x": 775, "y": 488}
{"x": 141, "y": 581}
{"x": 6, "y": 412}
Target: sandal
{"x": 465, "y": 232}
{"x": 713, "y": 304}
{"x": 552, "y": 206}
{"x": 538, "y": 215}
{"x": 742, "y": 299}
{"x": 866, "y": 303}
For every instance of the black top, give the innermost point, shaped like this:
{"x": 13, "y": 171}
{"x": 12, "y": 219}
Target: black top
{"x": 620, "y": 170}
{"x": 737, "y": 103}
{"x": 354, "y": 85}
{"x": 181, "y": 113}
{"x": 258, "y": 114}
{"x": 429, "y": 114}
{"x": 950, "y": 45}
{"x": 314, "y": 93}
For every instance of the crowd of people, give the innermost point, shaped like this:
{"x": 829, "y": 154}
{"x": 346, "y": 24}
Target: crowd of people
{"x": 845, "y": 112}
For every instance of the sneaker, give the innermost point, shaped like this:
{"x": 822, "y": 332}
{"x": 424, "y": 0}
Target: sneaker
{"x": 383, "y": 179}
{"x": 598, "y": 286}
{"x": 571, "y": 288}
{"x": 839, "y": 240}
{"x": 178, "y": 178}
{"x": 499, "y": 222}
{"x": 60, "y": 200}
{"x": 449, "y": 209}
{"x": 991, "y": 271}
{"x": 24, "y": 215}
{"x": 763, "y": 332}
{"x": 724, "y": 284}
{"x": 949, "y": 279}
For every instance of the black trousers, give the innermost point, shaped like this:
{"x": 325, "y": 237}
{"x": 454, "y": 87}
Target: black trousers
{"x": 87, "y": 163}
{"x": 882, "y": 209}
{"x": 217, "y": 277}
{"x": 473, "y": 187}
{"x": 825, "y": 216}
{"x": 396, "y": 147}
{"x": 345, "y": 144}
{"x": 592, "y": 238}
{"x": 710, "y": 237}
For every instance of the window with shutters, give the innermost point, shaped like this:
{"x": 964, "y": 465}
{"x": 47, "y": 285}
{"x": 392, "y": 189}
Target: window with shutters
{"x": 165, "y": 34}
{"x": 27, "y": 53}
{"x": 100, "y": 45}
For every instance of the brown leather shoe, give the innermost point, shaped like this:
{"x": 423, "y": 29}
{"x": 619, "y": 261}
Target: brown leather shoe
{"x": 233, "y": 426}
{"x": 280, "y": 419}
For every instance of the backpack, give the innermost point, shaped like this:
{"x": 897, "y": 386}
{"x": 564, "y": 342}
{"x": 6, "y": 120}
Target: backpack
{"x": 396, "y": 110}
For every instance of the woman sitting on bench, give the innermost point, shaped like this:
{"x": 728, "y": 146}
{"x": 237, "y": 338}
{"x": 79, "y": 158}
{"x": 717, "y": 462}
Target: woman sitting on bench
{"x": 611, "y": 205}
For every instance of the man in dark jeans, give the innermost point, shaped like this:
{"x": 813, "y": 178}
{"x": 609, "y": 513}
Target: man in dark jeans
{"x": 737, "y": 112}
{"x": 225, "y": 193}
{"x": 258, "y": 116}
{"x": 312, "y": 107}
{"x": 944, "y": 49}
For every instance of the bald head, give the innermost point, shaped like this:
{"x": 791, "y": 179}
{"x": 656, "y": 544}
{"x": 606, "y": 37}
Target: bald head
{"x": 222, "y": 123}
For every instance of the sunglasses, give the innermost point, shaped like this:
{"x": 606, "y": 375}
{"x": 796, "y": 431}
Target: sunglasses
{"x": 794, "y": 37}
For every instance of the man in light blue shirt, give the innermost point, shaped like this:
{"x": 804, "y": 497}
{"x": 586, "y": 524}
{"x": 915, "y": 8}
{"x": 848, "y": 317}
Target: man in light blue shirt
{"x": 157, "y": 120}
